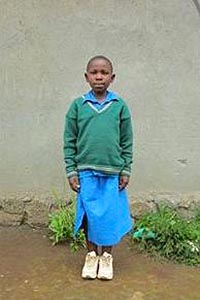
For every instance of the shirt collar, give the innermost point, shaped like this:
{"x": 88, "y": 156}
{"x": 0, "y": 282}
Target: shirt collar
{"x": 110, "y": 96}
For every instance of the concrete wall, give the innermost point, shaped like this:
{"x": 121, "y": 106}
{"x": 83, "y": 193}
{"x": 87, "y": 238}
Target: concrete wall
{"x": 155, "y": 48}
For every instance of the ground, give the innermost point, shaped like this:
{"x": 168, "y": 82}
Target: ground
{"x": 32, "y": 269}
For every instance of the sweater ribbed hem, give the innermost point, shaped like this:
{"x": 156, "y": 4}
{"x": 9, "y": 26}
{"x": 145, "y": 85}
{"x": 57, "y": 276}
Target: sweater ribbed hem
{"x": 125, "y": 173}
{"x": 71, "y": 174}
{"x": 105, "y": 169}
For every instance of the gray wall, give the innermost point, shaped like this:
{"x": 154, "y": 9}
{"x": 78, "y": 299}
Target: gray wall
{"x": 155, "y": 48}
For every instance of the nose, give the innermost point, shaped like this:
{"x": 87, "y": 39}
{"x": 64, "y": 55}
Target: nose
{"x": 99, "y": 76}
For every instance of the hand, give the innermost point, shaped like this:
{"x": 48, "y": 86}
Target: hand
{"x": 74, "y": 183}
{"x": 123, "y": 182}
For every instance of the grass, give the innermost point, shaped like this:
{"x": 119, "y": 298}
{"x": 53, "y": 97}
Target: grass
{"x": 61, "y": 224}
{"x": 175, "y": 238}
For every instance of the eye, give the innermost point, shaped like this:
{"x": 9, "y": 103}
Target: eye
{"x": 93, "y": 72}
{"x": 104, "y": 72}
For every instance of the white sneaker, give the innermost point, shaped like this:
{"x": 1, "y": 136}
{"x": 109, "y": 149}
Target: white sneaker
{"x": 105, "y": 267}
{"x": 89, "y": 270}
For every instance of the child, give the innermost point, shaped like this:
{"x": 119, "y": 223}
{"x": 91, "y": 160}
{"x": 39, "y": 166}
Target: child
{"x": 98, "y": 157}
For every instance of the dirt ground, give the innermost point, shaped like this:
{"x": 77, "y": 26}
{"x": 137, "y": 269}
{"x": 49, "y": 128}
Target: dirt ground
{"x": 32, "y": 269}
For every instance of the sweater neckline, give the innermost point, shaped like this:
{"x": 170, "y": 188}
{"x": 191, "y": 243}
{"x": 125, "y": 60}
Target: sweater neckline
{"x": 102, "y": 109}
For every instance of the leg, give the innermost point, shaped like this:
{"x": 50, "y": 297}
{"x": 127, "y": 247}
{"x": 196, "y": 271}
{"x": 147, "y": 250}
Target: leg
{"x": 90, "y": 246}
{"x": 90, "y": 267}
{"x": 107, "y": 249}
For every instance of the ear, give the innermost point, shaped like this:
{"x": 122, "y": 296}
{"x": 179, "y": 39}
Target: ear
{"x": 86, "y": 77}
{"x": 112, "y": 77}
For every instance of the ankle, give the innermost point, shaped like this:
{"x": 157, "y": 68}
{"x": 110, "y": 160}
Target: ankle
{"x": 91, "y": 247}
{"x": 107, "y": 249}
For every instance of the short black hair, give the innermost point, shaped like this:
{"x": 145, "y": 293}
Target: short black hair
{"x": 100, "y": 57}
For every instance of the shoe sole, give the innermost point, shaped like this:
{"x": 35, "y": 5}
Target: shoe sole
{"x": 88, "y": 277}
{"x": 104, "y": 278}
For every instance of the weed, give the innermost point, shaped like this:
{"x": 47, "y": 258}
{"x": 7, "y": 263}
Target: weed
{"x": 175, "y": 238}
{"x": 61, "y": 224}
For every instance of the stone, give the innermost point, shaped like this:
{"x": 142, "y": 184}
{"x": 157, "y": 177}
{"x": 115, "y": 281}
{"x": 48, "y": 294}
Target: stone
{"x": 2, "y": 199}
{"x": 7, "y": 219}
{"x": 167, "y": 199}
{"x": 27, "y": 199}
{"x": 141, "y": 204}
{"x": 185, "y": 212}
{"x": 37, "y": 213}
{"x": 13, "y": 206}
{"x": 189, "y": 205}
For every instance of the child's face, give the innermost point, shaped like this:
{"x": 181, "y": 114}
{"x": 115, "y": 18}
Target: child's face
{"x": 99, "y": 75}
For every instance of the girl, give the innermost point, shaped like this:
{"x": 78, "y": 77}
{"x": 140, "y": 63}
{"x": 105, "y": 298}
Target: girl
{"x": 98, "y": 156}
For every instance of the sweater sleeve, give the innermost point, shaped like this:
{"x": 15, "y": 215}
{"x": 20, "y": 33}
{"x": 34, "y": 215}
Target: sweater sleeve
{"x": 126, "y": 140}
{"x": 70, "y": 138}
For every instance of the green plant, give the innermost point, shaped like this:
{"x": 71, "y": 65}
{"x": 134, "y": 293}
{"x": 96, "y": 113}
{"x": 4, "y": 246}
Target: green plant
{"x": 61, "y": 224}
{"x": 175, "y": 238}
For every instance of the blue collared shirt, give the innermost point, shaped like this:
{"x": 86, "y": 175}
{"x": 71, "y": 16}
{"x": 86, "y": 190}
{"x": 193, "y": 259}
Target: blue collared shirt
{"x": 110, "y": 96}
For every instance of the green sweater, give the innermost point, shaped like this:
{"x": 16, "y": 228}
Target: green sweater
{"x": 98, "y": 140}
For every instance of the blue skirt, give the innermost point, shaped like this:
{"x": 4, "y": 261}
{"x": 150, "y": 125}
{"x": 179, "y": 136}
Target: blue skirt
{"x": 106, "y": 208}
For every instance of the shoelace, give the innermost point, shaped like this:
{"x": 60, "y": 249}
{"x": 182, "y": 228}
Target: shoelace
{"x": 106, "y": 261}
{"x": 90, "y": 260}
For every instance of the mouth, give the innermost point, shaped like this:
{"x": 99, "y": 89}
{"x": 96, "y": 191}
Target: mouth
{"x": 99, "y": 85}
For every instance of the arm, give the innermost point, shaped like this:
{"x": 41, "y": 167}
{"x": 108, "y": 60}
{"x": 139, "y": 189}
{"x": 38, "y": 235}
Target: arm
{"x": 70, "y": 138}
{"x": 126, "y": 143}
